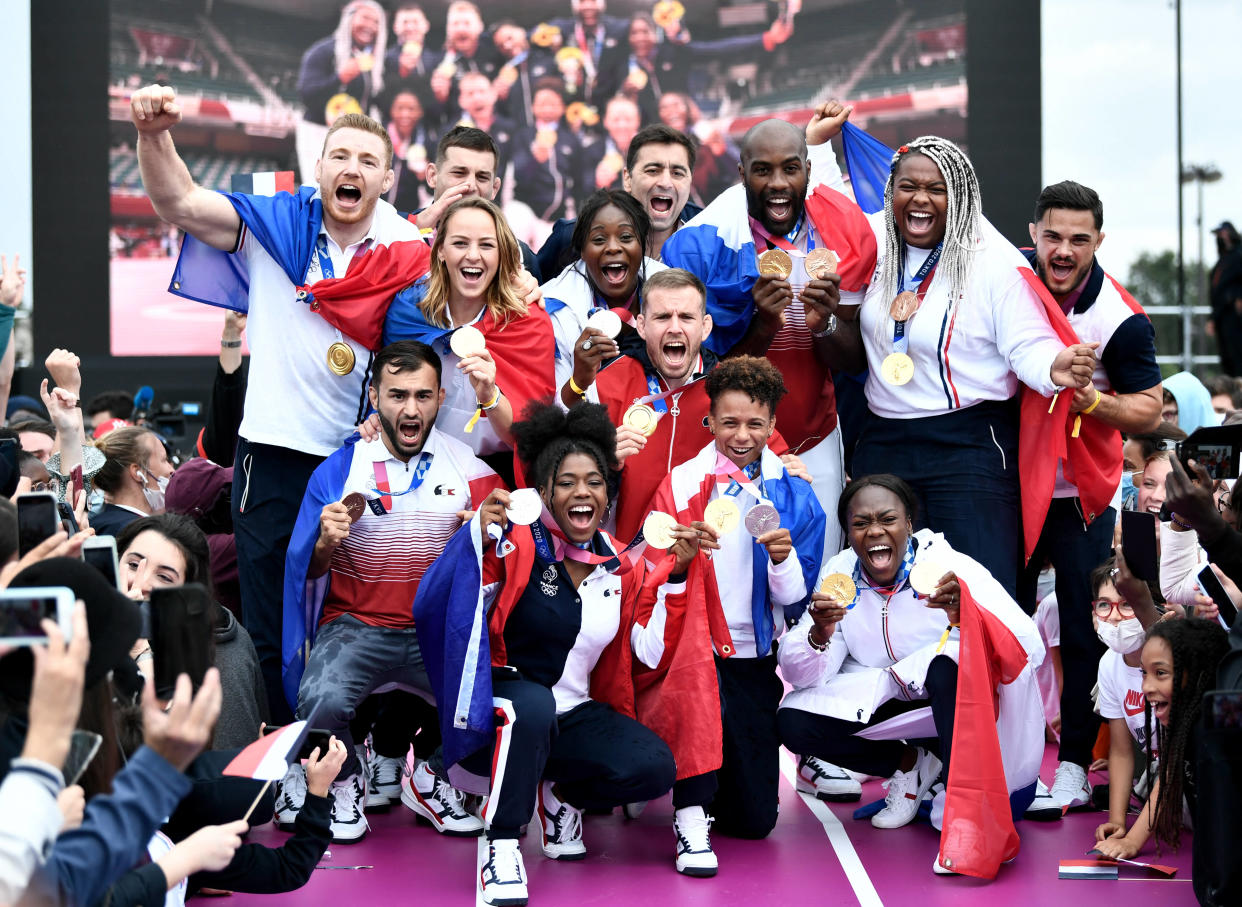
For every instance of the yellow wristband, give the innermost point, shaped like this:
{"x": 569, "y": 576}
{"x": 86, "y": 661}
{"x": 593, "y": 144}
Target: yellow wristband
{"x": 483, "y": 407}
{"x": 573, "y": 386}
{"x": 1091, "y": 408}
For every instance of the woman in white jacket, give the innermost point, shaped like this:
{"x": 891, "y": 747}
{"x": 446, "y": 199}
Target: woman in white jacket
{"x": 879, "y": 654}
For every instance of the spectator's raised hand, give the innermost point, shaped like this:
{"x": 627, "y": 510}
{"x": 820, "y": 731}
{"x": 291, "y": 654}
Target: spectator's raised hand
{"x": 61, "y": 404}
{"x": 66, "y": 370}
{"x": 322, "y": 768}
{"x": 72, "y": 804}
{"x": 180, "y": 733}
{"x": 1192, "y": 500}
{"x": 211, "y": 848}
{"x": 154, "y": 109}
{"x": 58, "y": 544}
{"x": 56, "y": 691}
{"x": 826, "y": 121}
{"x": 12, "y": 282}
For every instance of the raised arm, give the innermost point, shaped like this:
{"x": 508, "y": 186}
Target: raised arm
{"x": 207, "y": 215}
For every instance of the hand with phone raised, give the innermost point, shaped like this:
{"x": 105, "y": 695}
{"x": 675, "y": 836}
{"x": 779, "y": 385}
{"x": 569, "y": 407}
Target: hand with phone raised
{"x": 323, "y": 767}
{"x": 1191, "y": 499}
{"x": 56, "y": 692}
{"x": 180, "y": 733}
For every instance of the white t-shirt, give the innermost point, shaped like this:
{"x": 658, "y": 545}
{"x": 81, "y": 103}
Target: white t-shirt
{"x": 1121, "y": 694}
{"x": 293, "y": 399}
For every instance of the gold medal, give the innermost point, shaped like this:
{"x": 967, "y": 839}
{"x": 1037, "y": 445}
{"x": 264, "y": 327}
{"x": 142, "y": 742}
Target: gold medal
{"x": 341, "y": 358}
{"x": 467, "y": 341}
{"x": 413, "y": 48}
{"x": 722, "y": 515}
{"x": 897, "y": 368}
{"x": 339, "y": 105}
{"x": 638, "y": 78}
{"x": 642, "y": 418}
{"x": 776, "y": 263}
{"x": 657, "y": 529}
{"x": 666, "y": 12}
{"x": 839, "y": 587}
{"x": 925, "y": 577}
{"x": 821, "y": 262}
{"x": 904, "y": 306}
{"x": 366, "y": 62}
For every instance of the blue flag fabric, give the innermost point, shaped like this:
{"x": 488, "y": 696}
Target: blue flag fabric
{"x": 868, "y": 161}
{"x": 406, "y": 321}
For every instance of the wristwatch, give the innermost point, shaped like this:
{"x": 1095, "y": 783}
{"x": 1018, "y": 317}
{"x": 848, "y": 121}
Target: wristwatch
{"x": 829, "y": 329}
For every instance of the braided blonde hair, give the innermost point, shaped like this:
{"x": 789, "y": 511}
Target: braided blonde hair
{"x": 963, "y": 219}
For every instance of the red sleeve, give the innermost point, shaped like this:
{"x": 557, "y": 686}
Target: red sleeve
{"x": 483, "y": 485}
{"x": 524, "y": 349}
{"x": 844, "y": 229}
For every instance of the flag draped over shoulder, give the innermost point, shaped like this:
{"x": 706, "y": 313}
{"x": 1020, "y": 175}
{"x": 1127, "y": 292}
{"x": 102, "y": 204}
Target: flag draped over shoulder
{"x": 718, "y": 246}
{"x": 523, "y": 347}
{"x": 868, "y": 161}
{"x": 303, "y": 597}
{"x": 978, "y": 832}
{"x": 1090, "y": 460}
{"x": 287, "y": 226}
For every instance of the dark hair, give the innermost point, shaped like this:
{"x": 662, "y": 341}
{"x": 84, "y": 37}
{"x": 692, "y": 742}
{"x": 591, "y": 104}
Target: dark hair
{"x": 1071, "y": 195}
{"x": 1197, "y": 646}
{"x": 467, "y": 137}
{"x": 601, "y": 199}
{"x": 1228, "y": 386}
{"x": 42, "y": 426}
{"x": 887, "y": 481}
{"x": 404, "y": 356}
{"x": 1101, "y": 575}
{"x": 184, "y": 534}
{"x": 119, "y": 403}
{"x": 658, "y": 134}
{"x": 758, "y": 378}
{"x": 1150, "y": 442}
{"x": 27, "y": 460}
{"x": 8, "y": 530}
{"x": 549, "y": 83}
{"x": 674, "y": 279}
{"x": 547, "y": 435}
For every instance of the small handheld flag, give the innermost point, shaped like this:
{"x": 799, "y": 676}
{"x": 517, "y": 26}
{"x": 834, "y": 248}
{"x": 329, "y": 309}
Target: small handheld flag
{"x": 267, "y": 759}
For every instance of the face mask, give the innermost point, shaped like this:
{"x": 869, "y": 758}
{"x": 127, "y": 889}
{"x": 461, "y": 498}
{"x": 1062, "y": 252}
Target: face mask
{"x": 1129, "y": 491}
{"x": 154, "y": 496}
{"x": 1124, "y": 638}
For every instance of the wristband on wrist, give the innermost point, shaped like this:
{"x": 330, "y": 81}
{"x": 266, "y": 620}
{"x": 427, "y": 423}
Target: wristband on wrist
{"x": 573, "y": 386}
{"x": 231, "y": 344}
{"x": 810, "y": 638}
{"x": 491, "y": 404}
{"x": 1090, "y": 409}
{"x": 1184, "y": 525}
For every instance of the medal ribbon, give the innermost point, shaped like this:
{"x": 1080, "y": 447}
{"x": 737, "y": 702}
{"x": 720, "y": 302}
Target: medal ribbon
{"x": 553, "y": 546}
{"x": 922, "y": 280}
{"x": 657, "y": 397}
{"x": 381, "y": 479}
{"x": 784, "y": 242}
{"x": 738, "y": 479}
{"x": 862, "y": 581}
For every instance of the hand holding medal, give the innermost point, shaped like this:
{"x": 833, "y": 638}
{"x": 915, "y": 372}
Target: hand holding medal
{"x": 829, "y": 603}
{"x": 772, "y": 292}
{"x": 821, "y": 297}
{"x": 596, "y": 346}
{"x": 940, "y": 587}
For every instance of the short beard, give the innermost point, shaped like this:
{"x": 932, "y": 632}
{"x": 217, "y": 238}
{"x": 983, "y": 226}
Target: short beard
{"x": 755, "y": 208}
{"x": 390, "y": 431}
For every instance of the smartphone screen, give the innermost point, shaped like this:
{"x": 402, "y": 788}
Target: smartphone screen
{"x": 1138, "y": 541}
{"x": 23, "y": 609}
{"x": 100, "y": 553}
{"x": 181, "y": 636}
{"x": 1216, "y": 448}
{"x": 37, "y": 519}
{"x": 1211, "y": 585}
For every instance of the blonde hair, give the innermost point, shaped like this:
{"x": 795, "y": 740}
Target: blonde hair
{"x": 123, "y": 448}
{"x": 362, "y": 123}
{"x": 502, "y": 299}
{"x": 343, "y": 41}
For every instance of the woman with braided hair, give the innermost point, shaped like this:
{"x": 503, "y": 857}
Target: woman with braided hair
{"x": 951, "y": 330}
{"x": 1179, "y": 664}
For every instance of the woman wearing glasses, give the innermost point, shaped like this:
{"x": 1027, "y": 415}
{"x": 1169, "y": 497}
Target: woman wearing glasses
{"x": 1121, "y": 622}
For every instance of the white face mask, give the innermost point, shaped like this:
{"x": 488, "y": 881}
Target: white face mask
{"x": 154, "y": 496}
{"x": 1124, "y": 638}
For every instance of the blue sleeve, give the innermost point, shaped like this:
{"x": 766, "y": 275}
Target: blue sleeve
{"x": 113, "y": 836}
{"x": 318, "y": 79}
{"x": 554, "y": 247}
{"x": 1130, "y": 357}
{"x": 738, "y": 44}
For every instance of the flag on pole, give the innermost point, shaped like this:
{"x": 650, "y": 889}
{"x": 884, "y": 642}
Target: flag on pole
{"x": 267, "y": 759}
{"x": 868, "y": 161}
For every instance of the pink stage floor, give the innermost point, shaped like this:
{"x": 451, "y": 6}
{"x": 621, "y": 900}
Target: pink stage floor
{"x": 801, "y": 862}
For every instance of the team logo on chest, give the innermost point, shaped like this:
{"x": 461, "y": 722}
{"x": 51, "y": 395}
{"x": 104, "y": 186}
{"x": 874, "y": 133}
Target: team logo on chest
{"x": 547, "y": 582}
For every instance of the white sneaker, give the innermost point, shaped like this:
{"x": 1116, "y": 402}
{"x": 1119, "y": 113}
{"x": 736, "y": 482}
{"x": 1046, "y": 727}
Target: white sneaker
{"x": 1070, "y": 787}
{"x": 905, "y": 792}
{"x": 561, "y": 826}
{"x": 292, "y": 797}
{"x": 827, "y": 781}
{"x": 502, "y": 877}
{"x": 384, "y": 781}
{"x": 1044, "y": 808}
{"x": 695, "y": 856}
{"x": 434, "y": 799}
{"x": 348, "y": 824}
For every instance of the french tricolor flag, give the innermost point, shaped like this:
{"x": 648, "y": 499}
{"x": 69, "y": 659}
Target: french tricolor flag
{"x": 267, "y": 183}
{"x": 267, "y": 759}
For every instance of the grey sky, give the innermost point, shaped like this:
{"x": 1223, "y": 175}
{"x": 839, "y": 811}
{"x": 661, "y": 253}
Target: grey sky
{"x": 1109, "y": 95}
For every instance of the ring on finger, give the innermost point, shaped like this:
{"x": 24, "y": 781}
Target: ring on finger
{"x": 586, "y": 345}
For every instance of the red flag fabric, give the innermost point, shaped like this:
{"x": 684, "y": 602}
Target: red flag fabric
{"x": 978, "y": 833}
{"x": 267, "y": 759}
{"x": 1092, "y": 461}
{"x": 357, "y": 303}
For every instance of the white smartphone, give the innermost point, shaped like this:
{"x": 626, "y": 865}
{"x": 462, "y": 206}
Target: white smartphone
{"x": 22, "y": 611}
{"x": 100, "y": 552}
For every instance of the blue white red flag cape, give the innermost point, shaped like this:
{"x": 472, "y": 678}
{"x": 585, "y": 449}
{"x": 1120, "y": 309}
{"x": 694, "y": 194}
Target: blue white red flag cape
{"x": 267, "y": 759}
{"x": 718, "y": 246}
{"x": 287, "y": 226}
{"x": 868, "y": 161}
{"x": 303, "y": 598}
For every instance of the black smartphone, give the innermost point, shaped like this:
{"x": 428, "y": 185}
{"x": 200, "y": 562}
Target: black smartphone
{"x": 315, "y": 737}
{"x": 23, "y": 609}
{"x": 1211, "y": 585}
{"x": 1138, "y": 540}
{"x": 1217, "y": 448}
{"x": 182, "y": 640}
{"x": 37, "y": 519}
{"x": 100, "y": 553}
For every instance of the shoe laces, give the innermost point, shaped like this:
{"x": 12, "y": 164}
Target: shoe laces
{"x": 1066, "y": 779}
{"x": 344, "y": 800}
{"x": 450, "y": 796}
{"x": 693, "y": 833}
{"x": 505, "y": 861}
{"x": 566, "y": 824}
{"x": 385, "y": 770}
{"x": 895, "y": 787}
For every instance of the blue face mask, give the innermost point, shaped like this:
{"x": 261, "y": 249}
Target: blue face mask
{"x": 1129, "y": 492}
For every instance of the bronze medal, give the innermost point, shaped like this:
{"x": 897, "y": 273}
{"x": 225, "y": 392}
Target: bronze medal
{"x": 820, "y": 263}
{"x": 897, "y": 368}
{"x": 776, "y": 263}
{"x": 839, "y": 587}
{"x": 642, "y": 418}
{"x": 341, "y": 358}
{"x": 904, "y": 306}
{"x": 356, "y": 504}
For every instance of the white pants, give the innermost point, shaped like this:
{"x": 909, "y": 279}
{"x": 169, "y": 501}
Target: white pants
{"x": 826, "y": 464}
